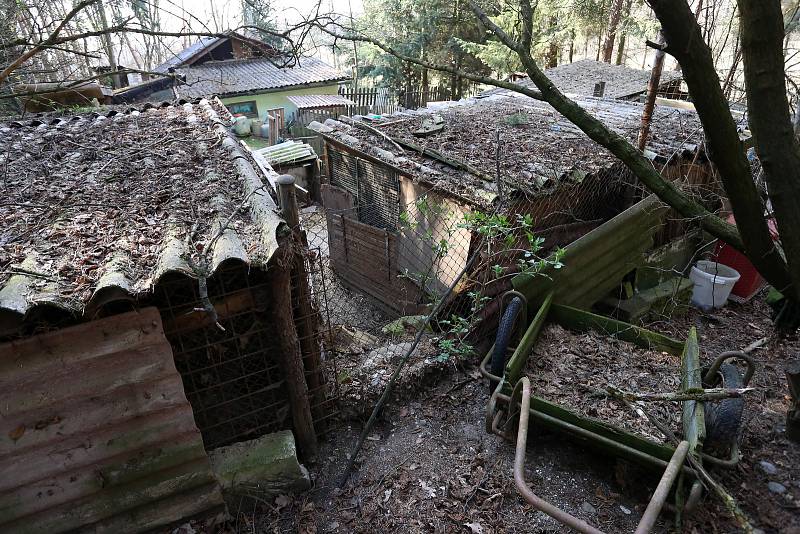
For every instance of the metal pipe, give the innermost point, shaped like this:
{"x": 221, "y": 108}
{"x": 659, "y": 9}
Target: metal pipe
{"x": 519, "y": 471}
{"x": 598, "y": 439}
{"x": 662, "y": 490}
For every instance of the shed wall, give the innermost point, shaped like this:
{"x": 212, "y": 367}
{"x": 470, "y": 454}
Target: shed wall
{"x": 96, "y": 431}
{"x": 277, "y": 99}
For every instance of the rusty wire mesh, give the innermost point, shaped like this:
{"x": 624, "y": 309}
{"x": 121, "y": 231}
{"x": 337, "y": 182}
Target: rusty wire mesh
{"x": 231, "y": 375}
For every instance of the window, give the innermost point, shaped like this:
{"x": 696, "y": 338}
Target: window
{"x": 248, "y": 109}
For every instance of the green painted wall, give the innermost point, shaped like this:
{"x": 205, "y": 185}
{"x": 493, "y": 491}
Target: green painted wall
{"x": 265, "y": 101}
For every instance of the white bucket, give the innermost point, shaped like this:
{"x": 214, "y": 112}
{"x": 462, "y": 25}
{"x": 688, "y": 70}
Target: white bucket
{"x": 712, "y": 284}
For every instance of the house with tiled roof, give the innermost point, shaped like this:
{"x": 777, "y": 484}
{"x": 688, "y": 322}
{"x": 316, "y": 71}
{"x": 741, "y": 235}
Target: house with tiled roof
{"x": 251, "y": 77}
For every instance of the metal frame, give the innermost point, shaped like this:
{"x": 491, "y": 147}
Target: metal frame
{"x": 504, "y": 410}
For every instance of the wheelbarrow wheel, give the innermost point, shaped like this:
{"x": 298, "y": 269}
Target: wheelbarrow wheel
{"x": 505, "y": 331}
{"x": 724, "y": 418}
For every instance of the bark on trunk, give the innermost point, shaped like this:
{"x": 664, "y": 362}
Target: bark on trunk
{"x": 614, "y": 14}
{"x": 685, "y": 43}
{"x": 777, "y": 147}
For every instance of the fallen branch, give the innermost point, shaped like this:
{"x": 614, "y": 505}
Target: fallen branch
{"x": 451, "y": 162}
{"x": 701, "y": 395}
{"x": 372, "y": 130}
{"x": 757, "y": 344}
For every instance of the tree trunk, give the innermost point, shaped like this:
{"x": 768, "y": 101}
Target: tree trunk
{"x": 614, "y": 14}
{"x": 599, "y": 46}
{"x": 621, "y": 48}
{"x": 554, "y": 48}
{"x": 108, "y": 45}
{"x": 777, "y": 147}
{"x": 685, "y": 43}
{"x": 571, "y": 45}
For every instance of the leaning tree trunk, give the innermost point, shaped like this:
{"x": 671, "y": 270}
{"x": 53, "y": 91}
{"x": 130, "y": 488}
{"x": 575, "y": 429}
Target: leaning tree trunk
{"x": 685, "y": 43}
{"x": 777, "y": 147}
{"x": 614, "y": 14}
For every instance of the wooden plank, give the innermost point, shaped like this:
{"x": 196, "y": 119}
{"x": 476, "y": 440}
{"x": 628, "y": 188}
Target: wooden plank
{"x": 337, "y": 201}
{"x": 96, "y": 425}
{"x": 582, "y": 320}
{"x": 694, "y": 428}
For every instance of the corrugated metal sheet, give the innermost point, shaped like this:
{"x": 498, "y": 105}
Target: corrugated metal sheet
{"x": 596, "y": 263}
{"x": 286, "y": 152}
{"x": 540, "y": 149}
{"x": 96, "y": 432}
{"x": 183, "y": 176}
{"x": 580, "y": 77}
{"x": 253, "y": 75}
{"x": 319, "y": 101}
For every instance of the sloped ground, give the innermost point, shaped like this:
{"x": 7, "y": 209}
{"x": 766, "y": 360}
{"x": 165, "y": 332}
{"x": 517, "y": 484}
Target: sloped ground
{"x": 429, "y": 466}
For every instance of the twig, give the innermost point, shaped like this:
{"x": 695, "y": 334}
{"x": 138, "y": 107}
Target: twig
{"x": 757, "y": 344}
{"x": 26, "y": 272}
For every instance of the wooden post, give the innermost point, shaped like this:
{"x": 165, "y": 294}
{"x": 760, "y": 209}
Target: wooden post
{"x": 303, "y": 311}
{"x": 289, "y": 209}
{"x": 652, "y": 91}
{"x": 792, "y": 371}
{"x": 293, "y": 367}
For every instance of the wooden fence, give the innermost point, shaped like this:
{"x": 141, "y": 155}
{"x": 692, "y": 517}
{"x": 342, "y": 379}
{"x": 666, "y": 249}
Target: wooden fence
{"x": 379, "y": 101}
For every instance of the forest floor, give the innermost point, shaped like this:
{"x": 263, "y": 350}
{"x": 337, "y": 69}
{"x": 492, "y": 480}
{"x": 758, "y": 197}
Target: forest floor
{"x": 429, "y": 465}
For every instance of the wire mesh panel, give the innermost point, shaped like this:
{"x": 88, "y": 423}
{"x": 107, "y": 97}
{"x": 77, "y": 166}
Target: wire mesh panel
{"x": 231, "y": 375}
{"x": 375, "y": 188}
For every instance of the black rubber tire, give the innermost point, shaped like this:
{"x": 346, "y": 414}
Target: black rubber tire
{"x": 724, "y": 418}
{"x": 504, "y": 332}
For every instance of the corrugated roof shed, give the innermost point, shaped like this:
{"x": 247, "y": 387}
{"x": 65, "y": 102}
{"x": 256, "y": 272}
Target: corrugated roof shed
{"x": 580, "y": 77}
{"x": 539, "y": 147}
{"x": 96, "y": 433}
{"x": 102, "y": 206}
{"x": 244, "y": 76}
{"x": 319, "y": 101}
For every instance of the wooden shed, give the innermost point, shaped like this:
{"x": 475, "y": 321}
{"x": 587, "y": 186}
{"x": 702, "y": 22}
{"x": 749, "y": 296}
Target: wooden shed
{"x": 503, "y": 152}
{"x": 155, "y": 217}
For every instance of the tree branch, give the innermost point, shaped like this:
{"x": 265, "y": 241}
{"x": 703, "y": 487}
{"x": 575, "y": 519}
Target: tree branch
{"x": 685, "y": 42}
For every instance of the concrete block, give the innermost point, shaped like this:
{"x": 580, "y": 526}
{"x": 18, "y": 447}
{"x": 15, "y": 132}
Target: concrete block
{"x": 262, "y": 467}
{"x": 662, "y": 299}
